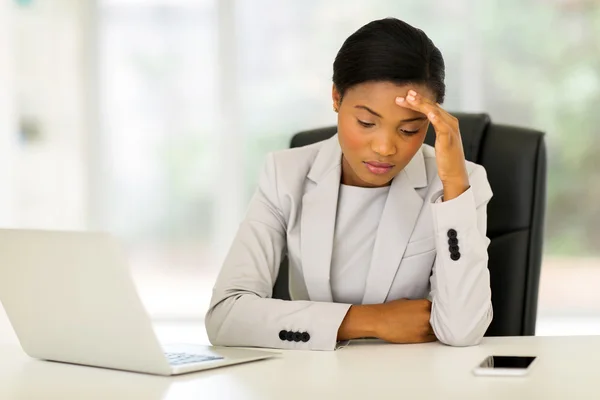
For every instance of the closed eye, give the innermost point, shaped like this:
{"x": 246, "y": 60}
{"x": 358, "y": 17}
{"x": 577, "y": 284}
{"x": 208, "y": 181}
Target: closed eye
{"x": 409, "y": 132}
{"x": 365, "y": 124}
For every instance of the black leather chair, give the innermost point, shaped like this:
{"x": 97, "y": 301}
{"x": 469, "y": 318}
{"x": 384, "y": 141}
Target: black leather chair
{"x": 515, "y": 160}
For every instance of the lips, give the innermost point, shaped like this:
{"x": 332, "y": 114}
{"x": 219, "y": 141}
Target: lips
{"x": 378, "y": 168}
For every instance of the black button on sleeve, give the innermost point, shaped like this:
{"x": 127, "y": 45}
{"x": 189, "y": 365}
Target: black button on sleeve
{"x": 282, "y": 335}
{"x": 452, "y": 233}
{"x": 297, "y": 336}
{"x": 305, "y": 337}
{"x": 454, "y": 249}
{"x": 289, "y": 336}
{"x": 455, "y": 256}
{"x": 453, "y": 241}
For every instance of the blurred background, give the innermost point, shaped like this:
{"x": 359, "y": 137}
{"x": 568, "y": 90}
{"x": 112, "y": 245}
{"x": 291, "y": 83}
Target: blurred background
{"x": 151, "y": 119}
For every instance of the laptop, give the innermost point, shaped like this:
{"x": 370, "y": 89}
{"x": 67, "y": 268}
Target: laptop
{"x": 70, "y": 297}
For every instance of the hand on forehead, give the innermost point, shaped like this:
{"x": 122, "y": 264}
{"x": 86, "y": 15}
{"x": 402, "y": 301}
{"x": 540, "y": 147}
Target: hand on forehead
{"x": 381, "y": 98}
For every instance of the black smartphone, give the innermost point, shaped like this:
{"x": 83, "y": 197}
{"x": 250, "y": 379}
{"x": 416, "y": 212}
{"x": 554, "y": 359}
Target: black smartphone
{"x": 505, "y": 366}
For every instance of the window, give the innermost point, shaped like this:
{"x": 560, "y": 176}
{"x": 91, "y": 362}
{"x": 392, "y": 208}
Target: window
{"x": 192, "y": 94}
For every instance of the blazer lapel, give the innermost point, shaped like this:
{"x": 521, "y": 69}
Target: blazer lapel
{"x": 319, "y": 208}
{"x": 398, "y": 219}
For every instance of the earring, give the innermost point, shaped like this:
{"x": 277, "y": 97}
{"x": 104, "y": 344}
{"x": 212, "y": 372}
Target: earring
{"x": 335, "y": 108}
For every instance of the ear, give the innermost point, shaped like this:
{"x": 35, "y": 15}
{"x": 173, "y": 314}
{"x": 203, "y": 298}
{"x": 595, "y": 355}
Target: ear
{"x": 336, "y": 97}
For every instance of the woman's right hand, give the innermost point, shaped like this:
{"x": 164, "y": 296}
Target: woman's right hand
{"x": 404, "y": 321}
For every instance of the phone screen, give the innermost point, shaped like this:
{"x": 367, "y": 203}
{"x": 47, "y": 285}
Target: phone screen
{"x": 507, "y": 362}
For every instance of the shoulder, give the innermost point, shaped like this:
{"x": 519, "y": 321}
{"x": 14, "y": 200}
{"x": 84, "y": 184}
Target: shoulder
{"x": 285, "y": 172}
{"x": 477, "y": 175}
{"x": 290, "y": 167}
{"x": 297, "y": 161}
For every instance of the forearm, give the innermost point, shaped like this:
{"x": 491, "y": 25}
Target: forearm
{"x": 359, "y": 322}
{"x": 247, "y": 320}
{"x": 460, "y": 283}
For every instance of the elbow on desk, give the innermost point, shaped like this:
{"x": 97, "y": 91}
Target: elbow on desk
{"x": 212, "y": 331}
{"x": 460, "y": 341}
{"x": 213, "y": 326}
{"x": 214, "y": 321}
{"x": 222, "y": 320}
{"x": 457, "y": 332}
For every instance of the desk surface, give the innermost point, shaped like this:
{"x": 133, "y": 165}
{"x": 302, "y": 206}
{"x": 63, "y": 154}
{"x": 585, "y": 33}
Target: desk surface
{"x": 567, "y": 368}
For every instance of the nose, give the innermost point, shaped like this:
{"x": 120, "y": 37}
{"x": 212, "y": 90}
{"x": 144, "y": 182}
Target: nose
{"x": 383, "y": 144}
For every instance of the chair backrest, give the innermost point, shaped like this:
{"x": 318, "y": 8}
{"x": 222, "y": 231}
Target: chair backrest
{"x": 515, "y": 161}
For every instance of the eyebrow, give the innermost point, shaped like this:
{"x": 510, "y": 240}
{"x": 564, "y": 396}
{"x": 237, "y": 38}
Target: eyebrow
{"x": 379, "y": 115}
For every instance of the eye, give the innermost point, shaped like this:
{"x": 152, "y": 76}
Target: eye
{"x": 365, "y": 124}
{"x": 409, "y": 133}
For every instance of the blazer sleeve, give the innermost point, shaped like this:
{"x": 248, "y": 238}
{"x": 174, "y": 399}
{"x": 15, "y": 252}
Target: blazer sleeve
{"x": 460, "y": 281}
{"x": 242, "y": 312}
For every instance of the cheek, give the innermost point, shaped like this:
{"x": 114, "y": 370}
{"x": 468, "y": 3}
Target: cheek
{"x": 352, "y": 139}
{"x": 413, "y": 144}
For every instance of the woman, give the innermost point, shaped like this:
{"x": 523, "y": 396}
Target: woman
{"x": 386, "y": 236}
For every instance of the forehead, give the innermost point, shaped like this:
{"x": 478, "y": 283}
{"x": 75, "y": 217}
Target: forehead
{"x": 381, "y": 96}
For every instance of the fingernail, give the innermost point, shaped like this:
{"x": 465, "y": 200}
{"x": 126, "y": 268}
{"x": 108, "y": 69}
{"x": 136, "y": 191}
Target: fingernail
{"x": 399, "y": 99}
{"x": 431, "y": 116}
{"x": 410, "y": 98}
{"x": 412, "y": 92}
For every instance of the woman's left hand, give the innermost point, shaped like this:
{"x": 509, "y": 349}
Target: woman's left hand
{"x": 449, "y": 152}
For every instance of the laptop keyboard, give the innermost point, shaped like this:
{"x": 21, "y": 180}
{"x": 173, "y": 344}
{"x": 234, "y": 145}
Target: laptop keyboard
{"x": 187, "y": 358}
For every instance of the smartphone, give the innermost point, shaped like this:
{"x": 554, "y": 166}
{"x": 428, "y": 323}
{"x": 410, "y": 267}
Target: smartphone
{"x": 505, "y": 366}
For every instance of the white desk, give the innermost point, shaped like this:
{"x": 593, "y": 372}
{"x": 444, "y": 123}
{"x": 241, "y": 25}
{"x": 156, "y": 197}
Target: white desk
{"x": 568, "y": 368}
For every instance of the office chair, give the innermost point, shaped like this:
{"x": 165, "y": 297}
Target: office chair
{"x": 515, "y": 161}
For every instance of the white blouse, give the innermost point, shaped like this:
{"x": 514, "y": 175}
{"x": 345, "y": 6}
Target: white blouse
{"x": 358, "y": 214}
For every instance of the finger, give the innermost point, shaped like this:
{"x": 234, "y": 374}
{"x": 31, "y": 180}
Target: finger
{"x": 448, "y": 118}
{"x": 443, "y": 111}
{"x": 425, "y": 100}
{"x": 426, "y": 109}
{"x": 416, "y": 102}
{"x": 440, "y": 119}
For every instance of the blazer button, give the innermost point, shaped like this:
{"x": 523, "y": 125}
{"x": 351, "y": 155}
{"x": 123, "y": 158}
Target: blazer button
{"x": 453, "y": 241}
{"x": 289, "y": 336}
{"x": 305, "y": 337}
{"x": 452, "y": 233}
{"x": 455, "y": 256}
{"x": 454, "y": 249}
{"x": 297, "y": 336}
{"x": 282, "y": 335}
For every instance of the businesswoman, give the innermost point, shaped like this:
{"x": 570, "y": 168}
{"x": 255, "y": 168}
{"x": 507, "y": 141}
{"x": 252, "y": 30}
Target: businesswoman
{"x": 386, "y": 236}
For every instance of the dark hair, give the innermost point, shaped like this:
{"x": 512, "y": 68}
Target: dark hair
{"x": 393, "y": 51}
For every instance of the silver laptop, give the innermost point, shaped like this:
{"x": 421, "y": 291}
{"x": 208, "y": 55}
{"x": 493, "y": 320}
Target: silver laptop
{"x": 70, "y": 297}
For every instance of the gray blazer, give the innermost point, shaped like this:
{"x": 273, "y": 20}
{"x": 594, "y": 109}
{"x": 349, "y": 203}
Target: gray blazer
{"x": 293, "y": 212}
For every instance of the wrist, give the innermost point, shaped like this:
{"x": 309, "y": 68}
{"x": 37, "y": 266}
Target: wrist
{"x": 454, "y": 189}
{"x": 360, "y": 321}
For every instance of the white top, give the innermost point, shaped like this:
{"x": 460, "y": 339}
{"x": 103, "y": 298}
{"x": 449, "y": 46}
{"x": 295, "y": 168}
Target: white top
{"x": 358, "y": 214}
{"x": 567, "y": 368}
